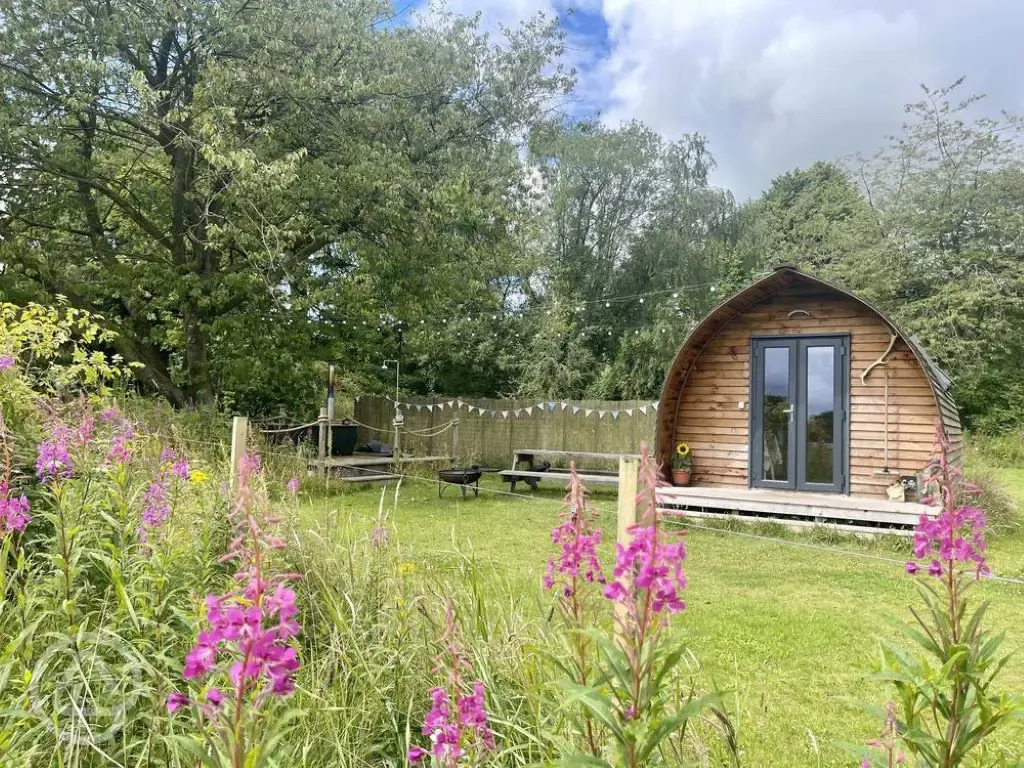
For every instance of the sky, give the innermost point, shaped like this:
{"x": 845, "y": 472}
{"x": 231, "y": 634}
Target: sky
{"x": 777, "y": 84}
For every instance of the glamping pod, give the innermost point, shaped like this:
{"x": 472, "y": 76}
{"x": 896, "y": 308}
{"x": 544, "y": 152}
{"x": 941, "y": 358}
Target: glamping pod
{"x": 798, "y": 399}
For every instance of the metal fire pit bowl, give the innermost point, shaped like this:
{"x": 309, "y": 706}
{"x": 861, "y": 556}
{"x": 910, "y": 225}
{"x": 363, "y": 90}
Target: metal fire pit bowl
{"x": 465, "y": 477}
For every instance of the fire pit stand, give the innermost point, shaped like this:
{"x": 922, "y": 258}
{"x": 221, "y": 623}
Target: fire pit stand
{"x": 464, "y": 477}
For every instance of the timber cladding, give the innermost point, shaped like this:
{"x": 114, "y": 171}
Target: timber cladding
{"x": 706, "y": 401}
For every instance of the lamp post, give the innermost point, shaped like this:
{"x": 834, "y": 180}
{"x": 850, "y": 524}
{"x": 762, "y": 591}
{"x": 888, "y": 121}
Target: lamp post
{"x": 399, "y": 419}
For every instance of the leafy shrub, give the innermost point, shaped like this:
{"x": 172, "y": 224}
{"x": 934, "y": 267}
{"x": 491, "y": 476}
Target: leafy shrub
{"x": 1003, "y": 449}
{"x": 1001, "y": 510}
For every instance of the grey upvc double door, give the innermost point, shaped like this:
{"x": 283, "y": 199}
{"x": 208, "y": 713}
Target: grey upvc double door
{"x": 798, "y": 413}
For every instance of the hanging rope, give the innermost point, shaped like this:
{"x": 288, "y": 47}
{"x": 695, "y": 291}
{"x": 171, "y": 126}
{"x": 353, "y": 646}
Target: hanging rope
{"x": 286, "y": 429}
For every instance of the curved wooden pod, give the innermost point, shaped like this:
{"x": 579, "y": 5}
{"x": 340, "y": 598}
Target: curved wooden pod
{"x": 710, "y": 379}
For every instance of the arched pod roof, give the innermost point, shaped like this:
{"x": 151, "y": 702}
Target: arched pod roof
{"x": 764, "y": 288}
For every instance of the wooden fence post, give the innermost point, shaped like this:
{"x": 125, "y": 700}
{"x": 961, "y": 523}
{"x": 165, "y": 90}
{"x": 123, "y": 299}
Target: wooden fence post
{"x": 239, "y": 441}
{"x": 629, "y": 470}
{"x": 455, "y": 442}
{"x": 628, "y": 473}
{"x": 323, "y": 429}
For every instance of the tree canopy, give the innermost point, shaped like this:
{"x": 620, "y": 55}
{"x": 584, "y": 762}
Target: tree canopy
{"x": 246, "y": 191}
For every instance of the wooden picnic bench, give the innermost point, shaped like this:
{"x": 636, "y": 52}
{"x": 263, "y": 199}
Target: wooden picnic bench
{"x": 534, "y": 473}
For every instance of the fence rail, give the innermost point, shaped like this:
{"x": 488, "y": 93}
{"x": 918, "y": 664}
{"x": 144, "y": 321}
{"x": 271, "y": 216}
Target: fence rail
{"x": 490, "y": 440}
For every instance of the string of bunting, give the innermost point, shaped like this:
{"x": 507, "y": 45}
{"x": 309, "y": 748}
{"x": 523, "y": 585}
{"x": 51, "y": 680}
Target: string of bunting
{"x": 515, "y": 413}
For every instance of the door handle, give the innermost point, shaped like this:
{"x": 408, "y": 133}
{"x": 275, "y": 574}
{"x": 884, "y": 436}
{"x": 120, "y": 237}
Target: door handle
{"x": 788, "y": 410}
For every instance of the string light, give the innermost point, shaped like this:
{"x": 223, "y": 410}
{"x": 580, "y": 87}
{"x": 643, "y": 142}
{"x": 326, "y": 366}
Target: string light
{"x": 640, "y": 298}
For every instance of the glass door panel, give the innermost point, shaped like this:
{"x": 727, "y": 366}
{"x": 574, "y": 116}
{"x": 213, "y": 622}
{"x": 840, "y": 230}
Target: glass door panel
{"x": 777, "y": 409}
{"x": 820, "y": 432}
{"x": 773, "y": 406}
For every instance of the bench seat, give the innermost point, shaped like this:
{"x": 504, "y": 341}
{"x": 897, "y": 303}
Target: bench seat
{"x": 511, "y": 475}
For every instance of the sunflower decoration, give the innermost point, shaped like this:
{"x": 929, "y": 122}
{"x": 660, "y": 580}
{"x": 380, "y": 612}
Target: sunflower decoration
{"x": 683, "y": 459}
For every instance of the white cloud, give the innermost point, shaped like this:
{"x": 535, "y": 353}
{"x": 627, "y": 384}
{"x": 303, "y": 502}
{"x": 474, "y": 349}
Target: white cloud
{"x": 777, "y": 84}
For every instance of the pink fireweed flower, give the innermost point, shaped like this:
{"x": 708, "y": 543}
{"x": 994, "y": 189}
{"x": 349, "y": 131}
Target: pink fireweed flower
{"x": 53, "y": 462}
{"x": 176, "y": 700}
{"x": 577, "y": 544}
{"x": 156, "y": 507}
{"x": 110, "y": 414}
{"x": 181, "y": 469}
{"x": 649, "y": 570}
{"x": 955, "y": 538}
{"x": 456, "y": 723}
{"x": 6, "y": 362}
{"x": 86, "y": 430}
{"x": 120, "y": 447}
{"x": 650, "y": 565}
{"x": 168, "y": 456}
{"x": 293, "y": 486}
{"x": 14, "y": 514}
{"x": 249, "y": 629}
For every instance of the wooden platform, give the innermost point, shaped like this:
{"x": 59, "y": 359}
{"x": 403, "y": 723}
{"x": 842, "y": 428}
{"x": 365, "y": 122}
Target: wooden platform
{"x": 847, "y": 513}
{"x": 373, "y": 467}
{"x": 377, "y": 460}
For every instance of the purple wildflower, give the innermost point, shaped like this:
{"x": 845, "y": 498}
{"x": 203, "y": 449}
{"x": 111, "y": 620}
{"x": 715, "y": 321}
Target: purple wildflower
{"x": 110, "y": 414}
{"x": 577, "y": 542}
{"x": 86, "y": 430}
{"x": 380, "y": 537}
{"x": 176, "y": 700}
{"x": 252, "y": 625}
{"x": 215, "y": 697}
{"x": 956, "y": 537}
{"x": 181, "y": 469}
{"x": 53, "y": 462}
{"x": 6, "y": 362}
{"x": 651, "y": 566}
{"x": 293, "y": 486}
{"x": 462, "y": 729}
{"x": 14, "y": 514}
{"x": 167, "y": 456}
{"x": 120, "y": 449}
{"x": 911, "y": 567}
{"x": 156, "y": 507}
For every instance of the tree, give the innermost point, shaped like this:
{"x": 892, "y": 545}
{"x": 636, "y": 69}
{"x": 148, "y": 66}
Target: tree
{"x": 947, "y": 195}
{"x": 631, "y": 217}
{"x": 231, "y": 182}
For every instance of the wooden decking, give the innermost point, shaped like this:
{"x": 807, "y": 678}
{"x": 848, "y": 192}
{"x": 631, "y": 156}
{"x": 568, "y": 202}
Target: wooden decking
{"x": 846, "y": 513}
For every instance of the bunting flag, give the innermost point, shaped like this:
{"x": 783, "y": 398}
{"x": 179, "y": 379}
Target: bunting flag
{"x": 538, "y": 409}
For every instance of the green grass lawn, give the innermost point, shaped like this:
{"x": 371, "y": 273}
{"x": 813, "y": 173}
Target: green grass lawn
{"x": 789, "y": 632}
